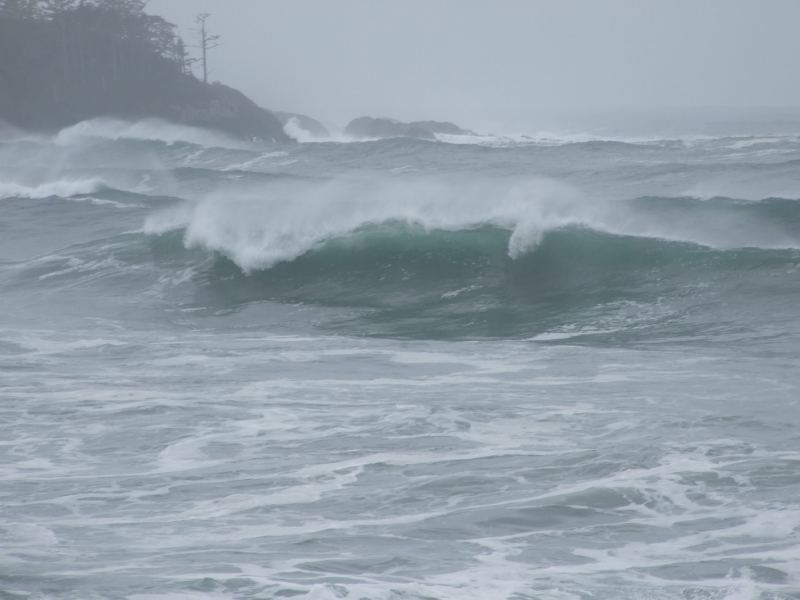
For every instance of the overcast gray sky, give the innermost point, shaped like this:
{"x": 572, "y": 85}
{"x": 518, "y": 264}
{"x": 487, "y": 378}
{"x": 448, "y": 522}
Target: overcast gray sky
{"x": 498, "y": 63}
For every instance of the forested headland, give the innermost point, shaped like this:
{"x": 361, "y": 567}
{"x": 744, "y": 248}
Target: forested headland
{"x": 66, "y": 61}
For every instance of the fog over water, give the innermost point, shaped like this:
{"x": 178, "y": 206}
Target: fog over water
{"x": 506, "y": 66}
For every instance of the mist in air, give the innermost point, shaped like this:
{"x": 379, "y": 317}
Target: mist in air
{"x": 509, "y": 67}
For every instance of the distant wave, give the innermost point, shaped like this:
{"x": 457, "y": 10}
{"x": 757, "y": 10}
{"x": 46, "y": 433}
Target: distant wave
{"x": 294, "y": 129}
{"x": 145, "y": 130}
{"x": 64, "y": 188}
{"x": 552, "y": 138}
{"x": 544, "y": 139}
{"x": 159, "y": 130}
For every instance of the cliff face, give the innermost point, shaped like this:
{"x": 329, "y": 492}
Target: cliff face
{"x": 57, "y": 73}
{"x": 369, "y": 127}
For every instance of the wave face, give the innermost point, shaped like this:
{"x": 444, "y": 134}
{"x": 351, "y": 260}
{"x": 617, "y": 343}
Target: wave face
{"x": 420, "y": 283}
{"x": 282, "y": 221}
{"x": 462, "y": 257}
{"x": 556, "y": 367}
{"x": 148, "y": 130}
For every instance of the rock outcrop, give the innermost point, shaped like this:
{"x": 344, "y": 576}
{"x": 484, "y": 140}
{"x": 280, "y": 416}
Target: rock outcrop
{"x": 378, "y": 128}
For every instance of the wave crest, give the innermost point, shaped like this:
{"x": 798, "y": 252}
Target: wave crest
{"x": 287, "y": 219}
{"x": 295, "y": 130}
{"x": 283, "y": 220}
{"x": 153, "y": 130}
{"x": 64, "y": 188}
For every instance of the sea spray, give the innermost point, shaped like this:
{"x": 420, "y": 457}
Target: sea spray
{"x": 280, "y": 220}
{"x": 61, "y": 187}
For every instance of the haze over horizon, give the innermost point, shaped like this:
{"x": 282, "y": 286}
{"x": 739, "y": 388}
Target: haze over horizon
{"x": 501, "y": 67}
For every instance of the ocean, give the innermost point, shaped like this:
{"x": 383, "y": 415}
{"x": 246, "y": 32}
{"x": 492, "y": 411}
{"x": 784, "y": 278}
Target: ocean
{"x": 477, "y": 368}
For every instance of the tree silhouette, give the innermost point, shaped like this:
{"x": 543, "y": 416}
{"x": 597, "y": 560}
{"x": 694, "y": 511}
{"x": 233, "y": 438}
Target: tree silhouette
{"x": 52, "y": 8}
{"x": 64, "y": 61}
{"x": 182, "y": 58}
{"x": 207, "y": 42}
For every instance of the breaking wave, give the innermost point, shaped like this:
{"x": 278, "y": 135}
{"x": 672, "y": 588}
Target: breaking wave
{"x": 64, "y": 188}
{"x": 286, "y": 219}
{"x": 295, "y": 130}
{"x": 400, "y": 279}
{"x": 145, "y": 130}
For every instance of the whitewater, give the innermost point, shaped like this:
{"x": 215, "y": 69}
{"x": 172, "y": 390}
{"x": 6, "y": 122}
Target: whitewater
{"x": 551, "y": 367}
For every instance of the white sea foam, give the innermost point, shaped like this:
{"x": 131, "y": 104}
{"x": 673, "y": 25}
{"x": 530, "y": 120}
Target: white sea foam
{"x": 295, "y": 130}
{"x": 61, "y": 187}
{"x": 553, "y": 138}
{"x": 254, "y": 164}
{"x": 460, "y": 492}
{"x": 41, "y": 344}
{"x": 261, "y": 229}
{"x": 194, "y": 595}
{"x": 147, "y": 130}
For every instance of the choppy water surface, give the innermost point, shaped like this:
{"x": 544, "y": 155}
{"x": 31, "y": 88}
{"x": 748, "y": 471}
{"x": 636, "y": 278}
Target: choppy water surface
{"x": 502, "y": 369}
